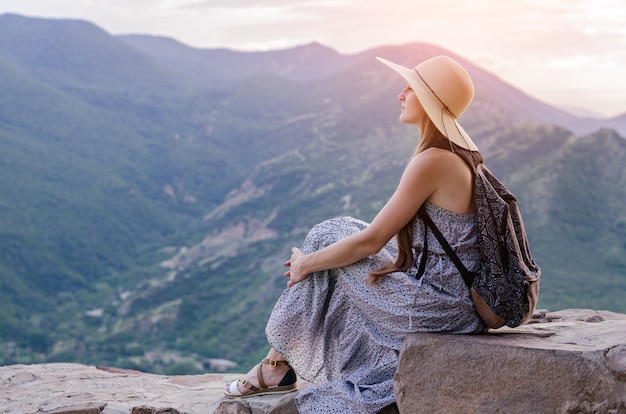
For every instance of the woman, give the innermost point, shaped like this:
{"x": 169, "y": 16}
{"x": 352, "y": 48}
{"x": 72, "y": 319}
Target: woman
{"x": 353, "y": 294}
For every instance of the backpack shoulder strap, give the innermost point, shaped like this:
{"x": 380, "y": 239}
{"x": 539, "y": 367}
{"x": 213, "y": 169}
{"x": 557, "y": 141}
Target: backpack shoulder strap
{"x": 468, "y": 277}
{"x": 472, "y": 158}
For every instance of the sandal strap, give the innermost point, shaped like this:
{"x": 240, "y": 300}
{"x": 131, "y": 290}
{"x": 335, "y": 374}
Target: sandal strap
{"x": 275, "y": 362}
{"x": 270, "y": 362}
{"x": 246, "y": 384}
{"x": 259, "y": 377}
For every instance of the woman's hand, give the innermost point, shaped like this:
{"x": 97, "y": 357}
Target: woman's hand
{"x": 295, "y": 273}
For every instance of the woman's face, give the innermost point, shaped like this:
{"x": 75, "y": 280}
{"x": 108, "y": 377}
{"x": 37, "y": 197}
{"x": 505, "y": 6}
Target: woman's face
{"x": 412, "y": 111}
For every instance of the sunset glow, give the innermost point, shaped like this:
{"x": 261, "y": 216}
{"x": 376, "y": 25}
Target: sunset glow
{"x": 564, "y": 52}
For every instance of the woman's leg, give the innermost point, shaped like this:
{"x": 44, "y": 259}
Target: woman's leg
{"x": 272, "y": 374}
{"x": 296, "y": 325}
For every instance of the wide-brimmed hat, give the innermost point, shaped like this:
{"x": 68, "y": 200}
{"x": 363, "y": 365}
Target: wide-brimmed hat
{"x": 445, "y": 90}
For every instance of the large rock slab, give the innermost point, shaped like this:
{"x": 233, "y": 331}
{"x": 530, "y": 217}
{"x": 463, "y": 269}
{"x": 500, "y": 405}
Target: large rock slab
{"x": 571, "y": 361}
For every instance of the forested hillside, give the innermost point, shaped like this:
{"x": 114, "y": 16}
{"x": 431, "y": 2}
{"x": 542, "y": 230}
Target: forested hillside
{"x": 150, "y": 192}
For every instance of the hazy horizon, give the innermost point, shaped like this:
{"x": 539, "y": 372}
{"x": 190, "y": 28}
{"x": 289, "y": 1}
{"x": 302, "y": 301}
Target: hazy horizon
{"x": 566, "y": 53}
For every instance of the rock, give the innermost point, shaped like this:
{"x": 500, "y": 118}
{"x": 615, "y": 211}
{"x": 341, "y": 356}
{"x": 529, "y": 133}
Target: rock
{"x": 563, "y": 362}
{"x": 61, "y": 388}
{"x": 571, "y": 361}
{"x": 81, "y": 409}
{"x": 151, "y": 410}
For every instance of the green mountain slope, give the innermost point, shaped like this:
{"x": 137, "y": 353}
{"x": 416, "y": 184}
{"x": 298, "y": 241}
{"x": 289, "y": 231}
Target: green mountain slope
{"x": 148, "y": 210}
{"x": 576, "y": 204}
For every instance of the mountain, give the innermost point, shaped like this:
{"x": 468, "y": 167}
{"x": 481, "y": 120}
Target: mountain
{"x": 300, "y": 64}
{"x": 581, "y": 112}
{"x": 617, "y": 123}
{"x": 151, "y": 191}
{"x": 314, "y": 62}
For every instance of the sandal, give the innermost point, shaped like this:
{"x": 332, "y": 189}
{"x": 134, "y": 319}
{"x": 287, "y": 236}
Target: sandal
{"x": 287, "y": 384}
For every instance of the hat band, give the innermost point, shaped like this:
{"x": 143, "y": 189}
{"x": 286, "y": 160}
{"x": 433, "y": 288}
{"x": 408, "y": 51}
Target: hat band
{"x": 434, "y": 94}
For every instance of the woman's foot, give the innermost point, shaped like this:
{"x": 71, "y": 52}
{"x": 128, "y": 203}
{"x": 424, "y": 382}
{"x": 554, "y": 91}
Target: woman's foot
{"x": 268, "y": 377}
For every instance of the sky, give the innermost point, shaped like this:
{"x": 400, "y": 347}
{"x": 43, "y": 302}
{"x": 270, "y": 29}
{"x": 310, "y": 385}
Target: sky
{"x": 569, "y": 53}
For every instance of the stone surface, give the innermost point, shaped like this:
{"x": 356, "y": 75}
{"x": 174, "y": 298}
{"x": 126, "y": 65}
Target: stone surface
{"x": 78, "y": 389}
{"x": 571, "y": 361}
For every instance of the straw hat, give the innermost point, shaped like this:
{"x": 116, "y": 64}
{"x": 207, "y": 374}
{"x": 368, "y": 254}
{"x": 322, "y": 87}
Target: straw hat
{"x": 445, "y": 90}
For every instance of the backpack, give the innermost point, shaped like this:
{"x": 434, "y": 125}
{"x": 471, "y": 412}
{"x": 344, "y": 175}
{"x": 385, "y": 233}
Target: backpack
{"x": 506, "y": 288}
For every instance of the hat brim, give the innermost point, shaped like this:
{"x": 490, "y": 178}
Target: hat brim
{"x": 445, "y": 122}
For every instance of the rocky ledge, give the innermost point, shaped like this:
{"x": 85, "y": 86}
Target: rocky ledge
{"x": 572, "y": 361}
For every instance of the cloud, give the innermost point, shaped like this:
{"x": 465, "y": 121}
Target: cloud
{"x": 239, "y": 4}
{"x": 256, "y": 25}
{"x": 316, "y": 9}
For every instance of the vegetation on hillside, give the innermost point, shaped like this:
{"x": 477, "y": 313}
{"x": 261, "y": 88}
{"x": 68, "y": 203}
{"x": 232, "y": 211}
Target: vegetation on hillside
{"x": 147, "y": 210}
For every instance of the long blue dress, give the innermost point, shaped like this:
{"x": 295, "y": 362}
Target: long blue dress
{"x": 344, "y": 335}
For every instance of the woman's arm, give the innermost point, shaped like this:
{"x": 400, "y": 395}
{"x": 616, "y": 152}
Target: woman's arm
{"x": 425, "y": 174}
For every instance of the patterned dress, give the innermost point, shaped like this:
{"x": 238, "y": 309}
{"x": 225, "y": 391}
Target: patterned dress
{"x": 344, "y": 335}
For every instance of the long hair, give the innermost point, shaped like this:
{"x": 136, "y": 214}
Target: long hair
{"x": 404, "y": 237}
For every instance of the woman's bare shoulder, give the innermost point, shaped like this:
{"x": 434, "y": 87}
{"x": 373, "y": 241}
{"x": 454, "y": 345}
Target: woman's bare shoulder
{"x": 437, "y": 159}
{"x": 452, "y": 177}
